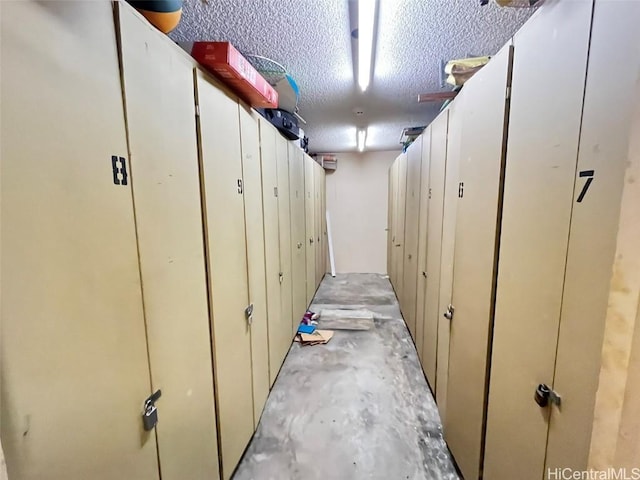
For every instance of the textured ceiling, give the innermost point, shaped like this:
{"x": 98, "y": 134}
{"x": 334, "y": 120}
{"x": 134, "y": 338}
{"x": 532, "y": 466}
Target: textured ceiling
{"x": 311, "y": 38}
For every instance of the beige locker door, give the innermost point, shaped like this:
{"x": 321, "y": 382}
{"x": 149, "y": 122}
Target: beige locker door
{"x": 412, "y": 212}
{"x": 390, "y": 205}
{"x": 254, "y": 231}
{"x": 310, "y": 225}
{"x": 284, "y": 224}
{"x": 538, "y": 196}
{"x": 74, "y": 362}
{"x": 615, "y": 47}
{"x": 323, "y": 220}
{"x": 448, "y": 242}
{"x": 279, "y": 326}
{"x": 319, "y": 243}
{"x": 223, "y": 203}
{"x": 434, "y": 237}
{"x": 298, "y": 241}
{"x": 423, "y": 218}
{"x": 166, "y": 187}
{"x": 401, "y": 198}
{"x": 483, "y": 111}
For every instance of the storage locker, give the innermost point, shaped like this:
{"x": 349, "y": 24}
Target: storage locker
{"x": 166, "y": 192}
{"x": 310, "y": 225}
{"x": 72, "y": 315}
{"x": 223, "y": 203}
{"x": 390, "y": 218}
{"x": 423, "y": 218}
{"x": 401, "y": 197}
{"x": 450, "y": 204}
{"x": 284, "y": 225}
{"x": 482, "y": 110}
{"x": 319, "y": 185}
{"x": 254, "y": 231}
{"x": 411, "y": 212}
{"x": 540, "y": 174}
{"x": 437, "y": 173}
{"x": 323, "y": 220}
{"x": 298, "y": 241}
{"x": 604, "y": 140}
{"x": 279, "y": 325}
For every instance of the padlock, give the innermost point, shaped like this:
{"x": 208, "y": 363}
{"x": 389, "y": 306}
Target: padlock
{"x": 149, "y": 416}
{"x": 542, "y": 395}
{"x": 150, "y": 411}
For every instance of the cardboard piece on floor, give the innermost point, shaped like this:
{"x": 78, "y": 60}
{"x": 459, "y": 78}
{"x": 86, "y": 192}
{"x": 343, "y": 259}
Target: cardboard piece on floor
{"x": 319, "y": 337}
{"x": 344, "y": 319}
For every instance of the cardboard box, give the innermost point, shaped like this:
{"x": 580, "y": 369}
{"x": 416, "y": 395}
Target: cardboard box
{"x": 225, "y": 62}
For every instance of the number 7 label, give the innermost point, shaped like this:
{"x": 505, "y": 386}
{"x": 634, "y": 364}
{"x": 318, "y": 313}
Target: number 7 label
{"x": 589, "y": 174}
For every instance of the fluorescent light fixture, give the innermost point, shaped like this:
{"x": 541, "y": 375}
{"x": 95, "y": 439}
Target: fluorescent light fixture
{"x": 366, "y": 19}
{"x": 362, "y": 139}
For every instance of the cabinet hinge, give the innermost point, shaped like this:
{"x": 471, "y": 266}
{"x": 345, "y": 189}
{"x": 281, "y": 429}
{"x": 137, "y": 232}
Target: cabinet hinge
{"x": 508, "y": 92}
{"x": 197, "y": 110}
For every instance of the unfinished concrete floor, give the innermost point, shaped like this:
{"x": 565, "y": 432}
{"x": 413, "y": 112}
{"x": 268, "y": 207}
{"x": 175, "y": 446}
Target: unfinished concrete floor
{"x": 358, "y": 407}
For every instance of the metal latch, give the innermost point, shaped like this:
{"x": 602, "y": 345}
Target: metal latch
{"x": 150, "y": 411}
{"x": 311, "y": 241}
{"x": 544, "y": 396}
{"x": 280, "y": 277}
{"x": 449, "y": 313}
{"x": 248, "y": 312}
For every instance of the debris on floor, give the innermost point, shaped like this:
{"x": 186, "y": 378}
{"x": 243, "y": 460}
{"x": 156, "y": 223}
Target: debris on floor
{"x": 318, "y": 337}
{"x": 346, "y": 319}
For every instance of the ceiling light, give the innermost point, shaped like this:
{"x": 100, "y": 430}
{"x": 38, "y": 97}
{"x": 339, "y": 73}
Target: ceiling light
{"x": 362, "y": 139}
{"x": 366, "y": 20}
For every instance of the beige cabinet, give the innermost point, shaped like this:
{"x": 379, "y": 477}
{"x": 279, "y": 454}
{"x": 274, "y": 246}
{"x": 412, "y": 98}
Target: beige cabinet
{"x": 223, "y": 203}
{"x": 254, "y": 231}
{"x": 410, "y": 258}
{"x": 320, "y": 242}
{"x": 298, "y": 234}
{"x": 481, "y": 110}
{"x": 74, "y": 362}
{"x": 449, "y": 209}
{"x": 284, "y": 226}
{"x": 391, "y": 191}
{"x": 401, "y": 196}
{"x": 542, "y": 149}
{"x": 166, "y": 187}
{"x": 438, "y": 161}
{"x": 423, "y": 218}
{"x": 279, "y": 325}
{"x": 310, "y": 225}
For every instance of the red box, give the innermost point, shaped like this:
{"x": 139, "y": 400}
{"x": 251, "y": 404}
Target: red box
{"x": 225, "y": 62}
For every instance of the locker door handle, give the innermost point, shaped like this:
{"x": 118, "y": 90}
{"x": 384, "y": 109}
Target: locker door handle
{"x": 424, "y": 274}
{"x": 248, "y": 312}
{"x": 311, "y": 241}
{"x": 299, "y": 245}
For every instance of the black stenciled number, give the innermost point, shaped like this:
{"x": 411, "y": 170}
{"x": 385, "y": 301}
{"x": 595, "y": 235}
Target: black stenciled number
{"x": 240, "y": 190}
{"x": 589, "y": 174}
{"x": 119, "y": 167}
{"x": 461, "y": 190}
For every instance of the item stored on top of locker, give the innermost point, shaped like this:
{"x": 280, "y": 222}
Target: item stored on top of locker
{"x": 162, "y": 14}
{"x": 227, "y": 63}
{"x": 284, "y": 121}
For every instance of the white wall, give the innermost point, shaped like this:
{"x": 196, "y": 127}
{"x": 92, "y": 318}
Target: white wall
{"x": 357, "y": 194}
